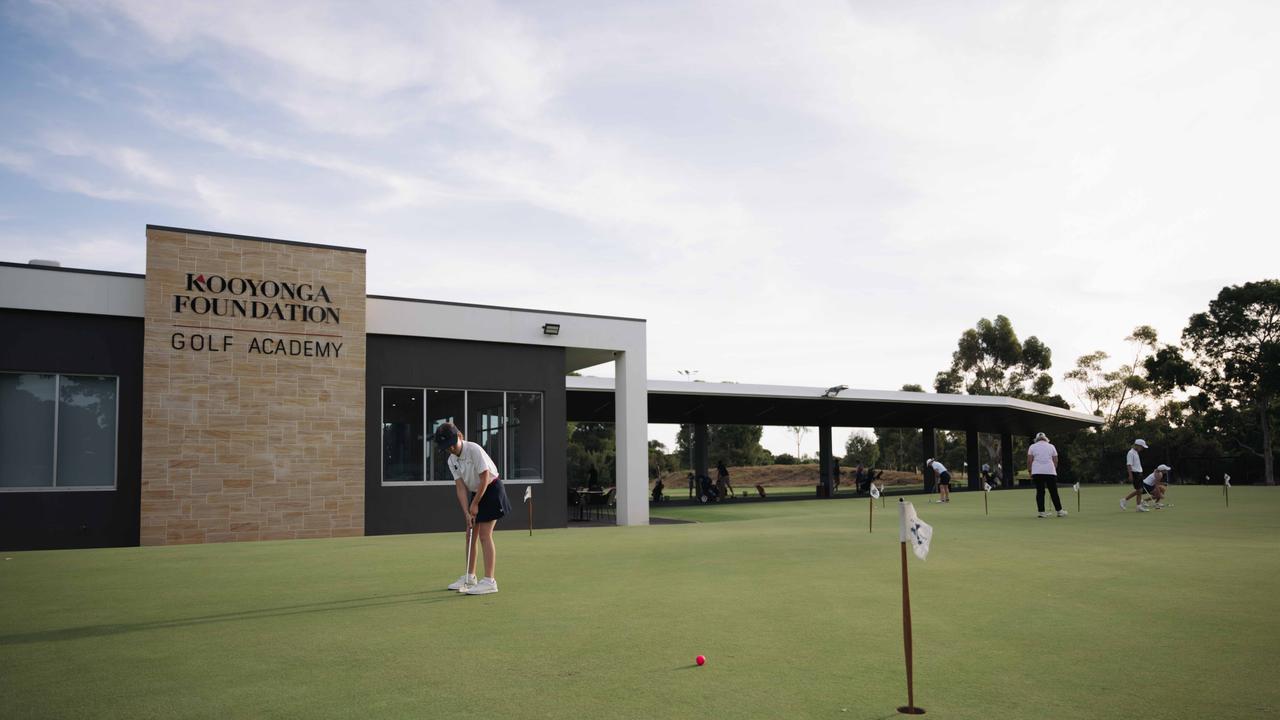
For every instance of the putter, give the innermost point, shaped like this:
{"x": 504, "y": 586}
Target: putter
{"x": 467, "y": 570}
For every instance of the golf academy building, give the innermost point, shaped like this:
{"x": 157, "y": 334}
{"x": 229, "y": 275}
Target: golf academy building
{"x": 250, "y": 389}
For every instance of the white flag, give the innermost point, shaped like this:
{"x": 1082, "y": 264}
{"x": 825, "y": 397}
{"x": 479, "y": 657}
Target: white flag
{"x": 986, "y": 487}
{"x": 1076, "y": 487}
{"x": 875, "y": 490}
{"x": 528, "y": 493}
{"x": 1226, "y": 479}
{"x": 911, "y": 529}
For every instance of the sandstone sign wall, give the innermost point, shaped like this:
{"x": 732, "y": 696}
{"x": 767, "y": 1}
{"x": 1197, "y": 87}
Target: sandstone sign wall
{"x": 253, "y": 390}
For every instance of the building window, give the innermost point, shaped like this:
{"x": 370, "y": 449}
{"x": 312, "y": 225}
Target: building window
{"x": 508, "y": 425}
{"x": 444, "y": 406}
{"x": 484, "y": 424}
{"x": 524, "y": 436}
{"x": 58, "y": 432}
{"x": 403, "y": 436}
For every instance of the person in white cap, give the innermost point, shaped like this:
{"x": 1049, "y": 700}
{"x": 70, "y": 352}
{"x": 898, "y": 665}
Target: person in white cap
{"x": 1133, "y": 465}
{"x": 1042, "y": 463}
{"x": 1154, "y": 484}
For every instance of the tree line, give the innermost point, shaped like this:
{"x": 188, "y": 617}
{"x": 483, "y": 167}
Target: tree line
{"x": 1206, "y": 404}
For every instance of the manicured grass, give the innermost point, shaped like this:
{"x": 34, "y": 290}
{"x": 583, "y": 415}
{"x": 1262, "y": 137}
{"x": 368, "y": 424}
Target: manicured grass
{"x": 1102, "y": 614}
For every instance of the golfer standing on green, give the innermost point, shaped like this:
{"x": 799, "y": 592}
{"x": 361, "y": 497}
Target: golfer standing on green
{"x": 1042, "y": 463}
{"x": 483, "y": 501}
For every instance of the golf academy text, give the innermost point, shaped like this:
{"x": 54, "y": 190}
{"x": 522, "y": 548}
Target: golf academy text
{"x": 256, "y": 299}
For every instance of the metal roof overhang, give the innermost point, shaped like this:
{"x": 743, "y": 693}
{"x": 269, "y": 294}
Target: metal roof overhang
{"x": 590, "y": 399}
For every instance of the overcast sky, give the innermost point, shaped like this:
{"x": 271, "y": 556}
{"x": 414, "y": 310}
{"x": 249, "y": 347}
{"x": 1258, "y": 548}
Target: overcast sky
{"x": 808, "y": 193}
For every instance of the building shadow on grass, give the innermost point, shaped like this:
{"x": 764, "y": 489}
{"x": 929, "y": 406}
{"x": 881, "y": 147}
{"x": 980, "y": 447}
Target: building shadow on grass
{"x": 91, "y": 631}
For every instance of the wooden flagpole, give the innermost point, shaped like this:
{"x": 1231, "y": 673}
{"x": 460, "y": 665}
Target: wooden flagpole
{"x": 910, "y": 708}
{"x": 985, "y": 509}
{"x": 871, "y": 511}
{"x": 530, "y": 516}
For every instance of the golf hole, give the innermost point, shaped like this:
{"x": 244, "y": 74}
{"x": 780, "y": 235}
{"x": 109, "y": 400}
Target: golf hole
{"x": 905, "y": 710}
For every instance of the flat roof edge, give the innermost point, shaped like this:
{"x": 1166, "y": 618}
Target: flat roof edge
{"x": 502, "y": 307}
{"x": 233, "y": 236}
{"x": 83, "y": 271}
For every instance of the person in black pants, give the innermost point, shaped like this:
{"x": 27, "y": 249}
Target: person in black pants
{"x": 1042, "y": 462}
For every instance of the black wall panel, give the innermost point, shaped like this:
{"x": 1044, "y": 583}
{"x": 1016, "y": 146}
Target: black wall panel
{"x": 50, "y": 342}
{"x": 453, "y": 364}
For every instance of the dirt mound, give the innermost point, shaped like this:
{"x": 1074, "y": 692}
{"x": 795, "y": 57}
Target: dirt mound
{"x": 787, "y": 476}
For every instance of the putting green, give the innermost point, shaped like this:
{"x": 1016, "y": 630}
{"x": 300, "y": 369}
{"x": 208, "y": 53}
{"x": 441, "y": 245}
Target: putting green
{"x": 1103, "y": 614}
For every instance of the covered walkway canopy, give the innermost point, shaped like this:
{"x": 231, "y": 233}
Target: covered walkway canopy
{"x": 590, "y": 399}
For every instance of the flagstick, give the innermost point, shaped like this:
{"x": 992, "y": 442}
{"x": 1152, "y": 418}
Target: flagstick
{"x": 1226, "y": 494}
{"x": 871, "y": 511}
{"x": 985, "y": 510}
{"x": 530, "y": 516}
{"x": 910, "y": 708}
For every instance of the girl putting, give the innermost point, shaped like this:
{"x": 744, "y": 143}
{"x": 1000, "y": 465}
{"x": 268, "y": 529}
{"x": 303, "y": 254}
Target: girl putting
{"x": 483, "y": 501}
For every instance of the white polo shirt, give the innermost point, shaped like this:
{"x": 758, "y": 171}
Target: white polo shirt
{"x": 1133, "y": 462}
{"x": 468, "y": 466}
{"x": 1042, "y": 454}
{"x": 938, "y": 467}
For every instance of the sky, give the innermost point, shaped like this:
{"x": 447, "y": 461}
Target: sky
{"x": 808, "y": 193}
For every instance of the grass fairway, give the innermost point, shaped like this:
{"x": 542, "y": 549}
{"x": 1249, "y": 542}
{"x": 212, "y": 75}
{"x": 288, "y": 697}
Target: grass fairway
{"x": 1103, "y": 614}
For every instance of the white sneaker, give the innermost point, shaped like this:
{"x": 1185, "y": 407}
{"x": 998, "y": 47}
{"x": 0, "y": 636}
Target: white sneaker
{"x": 1143, "y": 508}
{"x": 1043, "y": 514}
{"x": 1159, "y": 506}
{"x": 1062, "y": 513}
{"x": 1123, "y": 505}
{"x": 463, "y": 582}
{"x": 484, "y": 587}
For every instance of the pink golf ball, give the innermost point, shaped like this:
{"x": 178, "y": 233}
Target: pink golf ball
{"x": 700, "y": 659}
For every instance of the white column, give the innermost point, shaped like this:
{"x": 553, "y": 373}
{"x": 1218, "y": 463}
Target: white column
{"x": 631, "y": 398}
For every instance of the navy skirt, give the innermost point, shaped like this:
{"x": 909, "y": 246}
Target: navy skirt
{"x": 494, "y": 504}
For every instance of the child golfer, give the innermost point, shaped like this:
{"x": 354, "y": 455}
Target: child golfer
{"x": 944, "y": 479}
{"x": 1155, "y": 484}
{"x": 483, "y": 501}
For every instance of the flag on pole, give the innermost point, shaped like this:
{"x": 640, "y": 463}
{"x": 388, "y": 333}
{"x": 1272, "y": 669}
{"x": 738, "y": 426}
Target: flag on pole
{"x": 1076, "y": 487}
{"x": 528, "y": 493}
{"x": 1226, "y": 479}
{"x": 986, "y": 487}
{"x": 875, "y": 491}
{"x": 911, "y": 529}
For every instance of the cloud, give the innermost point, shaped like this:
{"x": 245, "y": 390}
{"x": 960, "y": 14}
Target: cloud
{"x": 808, "y": 194}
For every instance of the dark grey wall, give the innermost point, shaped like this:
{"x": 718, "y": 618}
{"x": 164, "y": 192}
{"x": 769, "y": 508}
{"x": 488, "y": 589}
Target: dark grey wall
{"x": 85, "y": 344}
{"x": 454, "y": 364}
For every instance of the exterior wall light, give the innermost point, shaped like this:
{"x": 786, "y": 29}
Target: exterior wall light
{"x": 551, "y": 329}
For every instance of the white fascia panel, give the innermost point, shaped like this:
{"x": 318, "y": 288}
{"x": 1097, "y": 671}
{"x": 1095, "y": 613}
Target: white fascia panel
{"x": 35, "y": 288}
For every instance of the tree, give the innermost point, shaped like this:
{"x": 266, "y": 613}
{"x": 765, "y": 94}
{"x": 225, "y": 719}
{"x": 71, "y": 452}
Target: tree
{"x": 1112, "y": 395}
{"x": 861, "y": 450}
{"x": 989, "y": 360}
{"x": 591, "y": 445}
{"x": 734, "y": 444}
{"x": 799, "y": 431}
{"x": 1232, "y": 355}
{"x": 899, "y": 448}
{"x": 659, "y": 461}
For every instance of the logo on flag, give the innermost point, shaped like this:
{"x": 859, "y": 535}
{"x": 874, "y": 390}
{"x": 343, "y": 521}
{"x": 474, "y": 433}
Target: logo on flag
{"x": 915, "y": 531}
{"x": 875, "y": 491}
{"x": 528, "y": 493}
{"x": 1076, "y": 487}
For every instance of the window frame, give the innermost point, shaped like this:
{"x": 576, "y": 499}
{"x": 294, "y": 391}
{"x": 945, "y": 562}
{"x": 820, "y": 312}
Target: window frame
{"x": 466, "y": 410}
{"x": 57, "y": 408}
